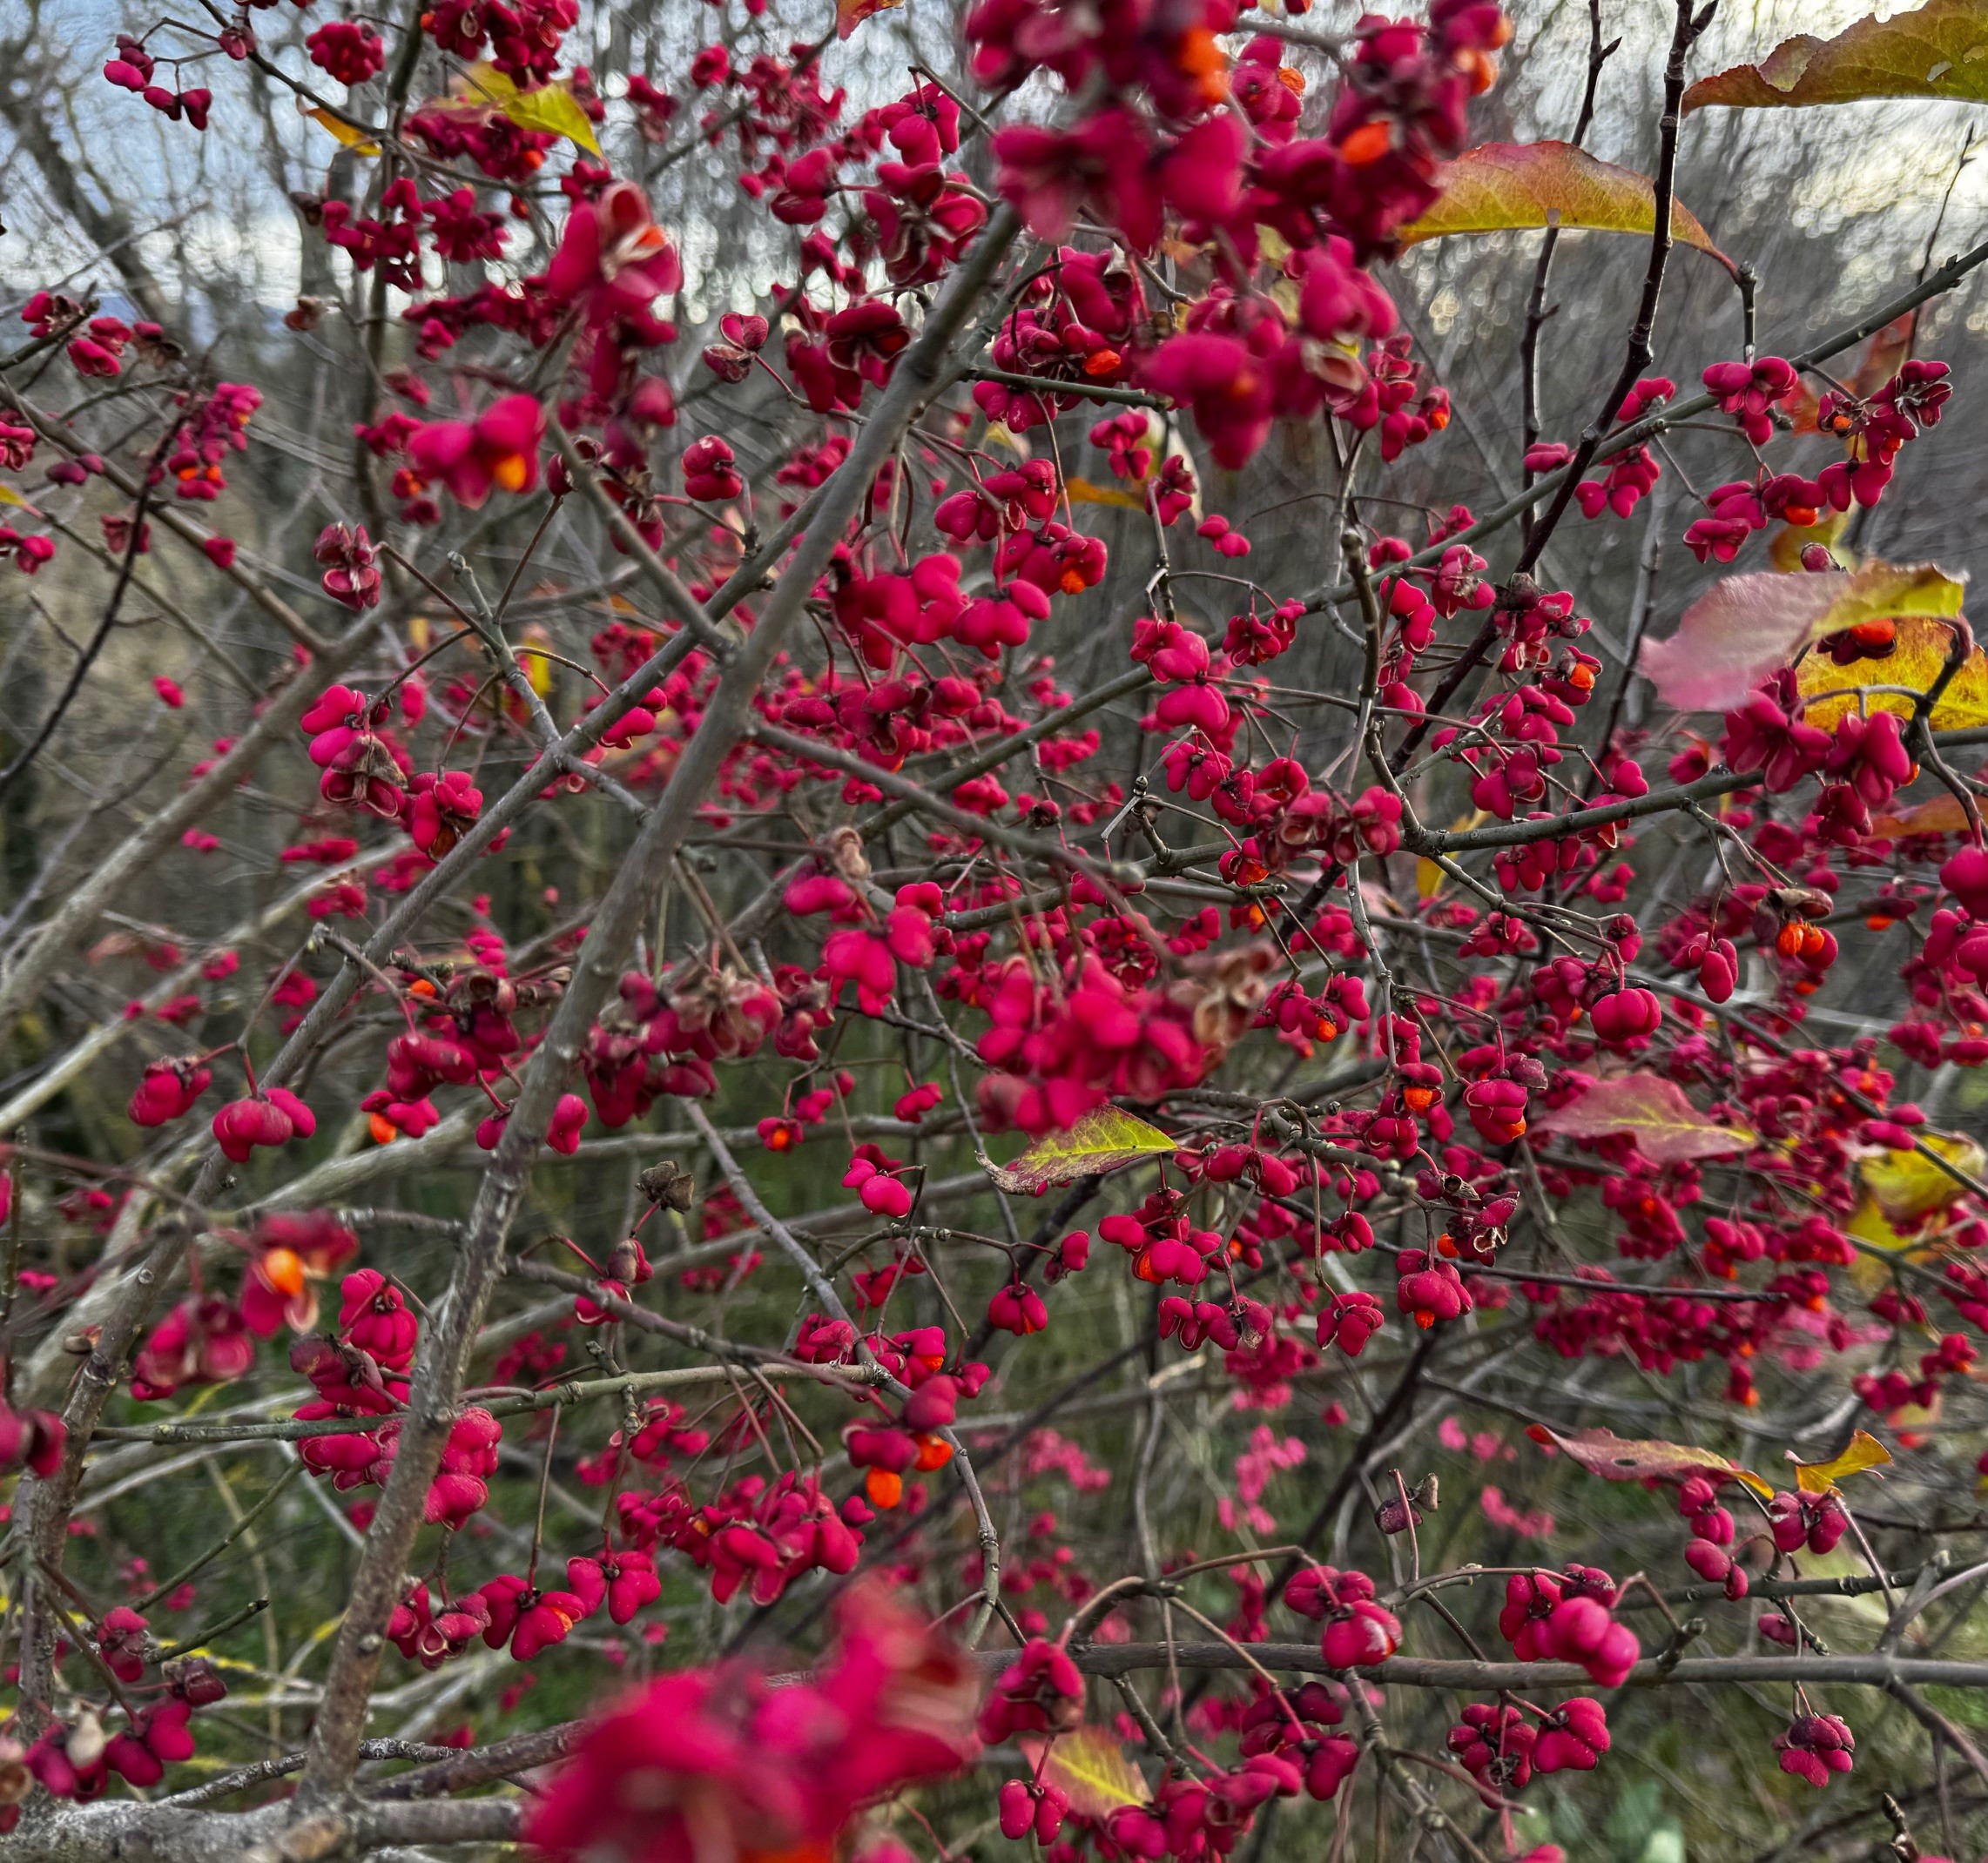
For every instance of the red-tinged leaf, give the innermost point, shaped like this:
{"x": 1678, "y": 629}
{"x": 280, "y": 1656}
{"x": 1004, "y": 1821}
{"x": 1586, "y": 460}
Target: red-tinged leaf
{"x": 850, "y": 14}
{"x": 1939, "y": 815}
{"x": 1632, "y": 1459}
{"x": 1651, "y": 1110}
{"x": 1745, "y": 626}
{"x": 1940, "y": 51}
{"x": 1500, "y": 185}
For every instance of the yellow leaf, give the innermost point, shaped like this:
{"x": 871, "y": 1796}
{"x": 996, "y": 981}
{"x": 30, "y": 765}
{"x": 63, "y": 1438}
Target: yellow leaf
{"x": 356, "y": 140}
{"x": 1908, "y": 1186}
{"x": 1105, "y": 1138}
{"x": 420, "y": 633}
{"x": 1868, "y": 1224}
{"x": 533, "y": 649}
{"x": 1501, "y": 185}
{"x": 998, "y": 435}
{"x": 1429, "y": 876}
{"x": 1914, "y": 663}
{"x": 551, "y": 110}
{"x": 1651, "y": 1110}
{"x": 1865, "y": 1451}
{"x": 1273, "y": 245}
{"x": 1090, "y": 1769}
{"x": 1941, "y": 50}
{"x": 1083, "y": 492}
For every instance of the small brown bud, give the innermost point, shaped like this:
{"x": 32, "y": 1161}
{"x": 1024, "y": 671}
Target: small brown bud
{"x": 846, "y": 855}
{"x": 626, "y": 1262}
{"x": 86, "y": 1744}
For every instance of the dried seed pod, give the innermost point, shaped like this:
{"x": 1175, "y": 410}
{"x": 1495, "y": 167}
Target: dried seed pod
{"x": 668, "y": 1184}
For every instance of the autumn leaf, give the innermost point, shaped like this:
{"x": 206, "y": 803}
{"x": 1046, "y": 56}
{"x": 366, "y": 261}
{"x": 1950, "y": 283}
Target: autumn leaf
{"x": 1105, "y": 1138}
{"x": 1908, "y": 1186}
{"x": 1429, "y": 875}
{"x": 1653, "y": 1111}
{"x": 1865, "y": 1451}
{"x": 1901, "y": 1191}
{"x": 535, "y": 659}
{"x": 551, "y": 110}
{"x": 1500, "y": 185}
{"x": 9, "y": 496}
{"x": 1785, "y": 548}
{"x": 1640, "y": 1459}
{"x": 1941, "y": 50}
{"x": 1883, "y": 355}
{"x": 1083, "y": 492}
{"x": 1090, "y": 1769}
{"x": 1745, "y": 626}
{"x": 850, "y": 14}
{"x": 1941, "y": 815}
{"x": 356, "y": 140}
{"x": 1914, "y": 663}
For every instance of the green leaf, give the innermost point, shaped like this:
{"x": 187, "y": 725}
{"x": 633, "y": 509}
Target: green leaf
{"x": 1500, "y": 185}
{"x": 1941, "y": 50}
{"x": 1103, "y": 1140}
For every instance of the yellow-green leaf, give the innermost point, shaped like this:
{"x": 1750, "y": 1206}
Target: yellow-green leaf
{"x": 1501, "y": 185}
{"x": 1908, "y": 1186}
{"x": 551, "y": 110}
{"x": 9, "y": 496}
{"x": 1785, "y": 548}
{"x": 355, "y": 140}
{"x": 1745, "y": 626}
{"x": 1914, "y": 663}
{"x": 1651, "y": 1110}
{"x": 1641, "y": 1459}
{"x": 1105, "y": 1138}
{"x": 1090, "y": 1769}
{"x": 1865, "y": 1451}
{"x": 1941, "y": 50}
